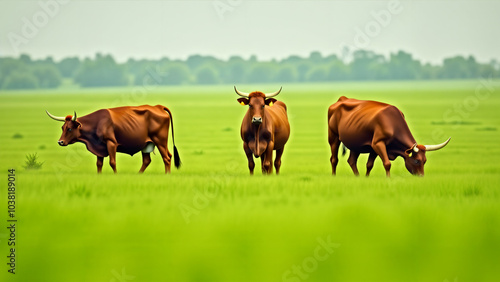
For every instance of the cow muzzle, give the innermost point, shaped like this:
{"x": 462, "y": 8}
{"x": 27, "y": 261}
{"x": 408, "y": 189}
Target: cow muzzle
{"x": 60, "y": 142}
{"x": 257, "y": 120}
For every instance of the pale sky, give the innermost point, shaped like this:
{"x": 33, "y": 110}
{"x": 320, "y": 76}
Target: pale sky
{"x": 430, "y": 30}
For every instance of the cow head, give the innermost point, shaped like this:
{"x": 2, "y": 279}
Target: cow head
{"x": 256, "y": 102}
{"x": 70, "y": 128}
{"x": 415, "y": 157}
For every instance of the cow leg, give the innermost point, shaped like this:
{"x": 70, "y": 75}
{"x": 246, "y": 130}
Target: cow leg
{"x": 381, "y": 150}
{"x": 267, "y": 159}
{"x": 100, "y": 161}
{"x": 248, "y": 152}
{"x": 161, "y": 144}
{"x": 334, "y": 141}
{"x": 112, "y": 154}
{"x": 277, "y": 160}
{"x": 166, "y": 157}
{"x": 146, "y": 160}
{"x": 370, "y": 162}
{"x": 353, "y": 159}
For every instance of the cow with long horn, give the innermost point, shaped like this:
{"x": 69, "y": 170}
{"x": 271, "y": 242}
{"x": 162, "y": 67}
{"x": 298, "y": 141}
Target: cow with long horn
{"x": 375, "y": 128}
{"x": 125, "y": 129}
{"x": 264, "y": 129}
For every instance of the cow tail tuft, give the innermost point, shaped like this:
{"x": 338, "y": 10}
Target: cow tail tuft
{"x": 177, "y": 159}
{"x": 344, "y": 150}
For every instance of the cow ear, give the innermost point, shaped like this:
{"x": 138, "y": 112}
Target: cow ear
{"x": 243, "y": 101}
{"x": 270, "y": 101}
{"x": 409, "y": 152}
{"x": 77, "y": 123}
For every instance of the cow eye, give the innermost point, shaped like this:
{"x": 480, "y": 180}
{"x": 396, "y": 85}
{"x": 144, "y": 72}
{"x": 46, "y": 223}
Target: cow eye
{"x": 69, "y": 129}
{"x": 416, "y": 162}
{"x": 263, "y": 106}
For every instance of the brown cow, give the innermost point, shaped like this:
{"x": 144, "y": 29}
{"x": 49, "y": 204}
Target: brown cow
{"x": 375, "y": 128}
{"x": 264, "y": 128}
{"x": 125, "y": 130}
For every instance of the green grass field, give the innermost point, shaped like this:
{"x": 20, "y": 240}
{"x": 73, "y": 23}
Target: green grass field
{"x": 211, "y": 221}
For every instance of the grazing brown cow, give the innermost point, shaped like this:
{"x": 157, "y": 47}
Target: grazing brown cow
{"x": 375, "y": 128}
{"x": 125, "y": 130}
{"x": 264, "y": 128}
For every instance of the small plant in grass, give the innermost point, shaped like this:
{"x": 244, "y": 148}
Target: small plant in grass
{"x": 32, "y": 162}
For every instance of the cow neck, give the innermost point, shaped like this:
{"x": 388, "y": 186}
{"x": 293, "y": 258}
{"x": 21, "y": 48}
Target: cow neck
{"x": 405, "y": 141}
{"x": 85, "y": 136}
{"x": 88, "y": 138}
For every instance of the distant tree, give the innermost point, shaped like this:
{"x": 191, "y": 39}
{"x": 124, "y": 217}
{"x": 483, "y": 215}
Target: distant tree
{"x": 207, "y": 75}
{"x": 315, "y": 57}
{"x": 473, "y": 67}
{"x": 49, "y": 61}
{"x": 147, "y": 72}
{"x": 261, "y": 73}
{"x": 8, "y": 66}
{"x": 196, "y": 61}
{"x": 294, "y": 60}
{"x": 337, "y": 70}
{"x": 253, "y": 59}
{"x": 495, "y": 64}
{"x": 367, "y": 65}
{"x": 332, "y": 59}
{"x": 20, "y": 80}
{"x": 401, "y": 65}
{"x": 25, "y": 59}
{"x": 48, "y": 75}
{"x": 302, "y": 70}
{"x": 102, "y": 71}
{"x": 68, "y": 66}
{"x": 429, "y": 71}
{"x": 235, "y": 70}
{"x": 176, "y": 73}
{"x": 286, "y": 74}
{"x": 455, "y": 67}
{"x": 487, "y": 70}
{"x": 317, "y": 74}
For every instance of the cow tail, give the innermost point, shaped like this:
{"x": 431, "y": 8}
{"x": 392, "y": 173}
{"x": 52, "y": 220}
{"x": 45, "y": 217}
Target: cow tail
{"x": 344, "y": 150}
{"x": 177, "y": 159}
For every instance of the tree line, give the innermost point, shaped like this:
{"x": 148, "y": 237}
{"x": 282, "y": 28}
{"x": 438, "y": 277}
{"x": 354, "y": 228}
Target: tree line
{"x": 102, "y": 70}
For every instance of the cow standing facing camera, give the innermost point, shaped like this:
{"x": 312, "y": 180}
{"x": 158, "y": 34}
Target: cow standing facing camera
{"x": 124, "y": 129}
{"x": 264, "y": 129}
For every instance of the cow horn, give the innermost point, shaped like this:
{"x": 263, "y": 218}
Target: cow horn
{"x": 415, "y": 148}
{"x": 274, "y": 94}
{"x": 54, "y": 117}
{"x": 74, "y": 117}
{"x": 242, "y": 94}
{"x": 436, "y": 147}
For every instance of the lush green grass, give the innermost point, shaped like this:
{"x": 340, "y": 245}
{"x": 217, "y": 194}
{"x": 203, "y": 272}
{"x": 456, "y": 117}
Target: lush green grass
{"x": 211, "y": 221}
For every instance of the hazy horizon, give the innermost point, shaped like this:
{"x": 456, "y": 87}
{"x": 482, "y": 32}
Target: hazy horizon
{"x": 431, "y": 31}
